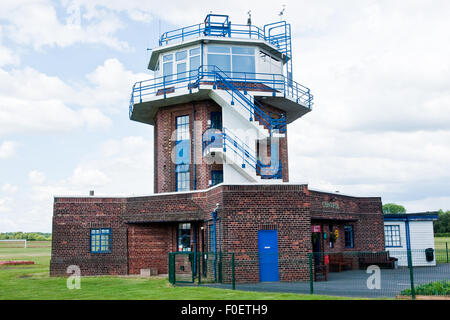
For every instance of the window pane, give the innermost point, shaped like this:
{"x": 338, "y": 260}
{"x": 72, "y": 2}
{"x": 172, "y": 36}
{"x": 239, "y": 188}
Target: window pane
{"x": 218, "y": 49}
{"x": 242, "y": 50}
{"x": 184, "y": 237}
{"x": 181, "y": 70}
{"x": 348, "y": 230}
{"x": 168, "y": 57}
{"x": 243, "y": 64}
{"x": 216, "y": 177}
{"x": 194, "y": 51}
{"x": 182, "y": 55}
{"x": 168, "y": 71}
{"x": 223, "y": 62}
{"x": 194, "y": 63}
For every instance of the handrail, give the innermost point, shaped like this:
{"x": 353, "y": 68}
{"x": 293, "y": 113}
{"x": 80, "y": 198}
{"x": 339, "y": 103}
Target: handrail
{"x": 230, "y": 29}
{"x": 252, "y": 106}
{"x": 225, "y": 139}
{"x": 240, "y": 80}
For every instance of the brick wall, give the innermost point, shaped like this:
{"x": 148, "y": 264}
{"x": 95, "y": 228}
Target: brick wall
{"x": 165, "y": 180}
{"x": 364, "y": 214}
{"x": 144, "y": 228}
{"x": 72, "y": 220}
{"x": 248, "y": 209}
{"x": 149, "y": 245}
{"x": 164, "y": 141}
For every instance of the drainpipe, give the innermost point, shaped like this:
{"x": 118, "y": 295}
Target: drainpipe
{"x": 214, "y": 217}
{"x": 193, "y": 143}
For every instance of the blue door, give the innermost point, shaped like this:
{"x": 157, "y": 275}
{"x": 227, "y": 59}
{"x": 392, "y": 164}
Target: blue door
{"x": 268, "y": 255}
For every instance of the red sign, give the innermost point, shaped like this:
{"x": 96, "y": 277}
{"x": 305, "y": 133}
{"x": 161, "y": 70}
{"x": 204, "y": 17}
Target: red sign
{"x": 316, "y": 229}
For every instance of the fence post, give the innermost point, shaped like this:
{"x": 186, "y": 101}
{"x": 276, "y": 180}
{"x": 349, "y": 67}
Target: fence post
{"x": 220, "y": 275}
{"x": 446, "y": 249}
{"x": 171, "y": 268}
{"x": 199, "y": 267}
{"x": 411, "y": 275}
{"x": 311, "y": 276}
{"x": 233, "y": 277}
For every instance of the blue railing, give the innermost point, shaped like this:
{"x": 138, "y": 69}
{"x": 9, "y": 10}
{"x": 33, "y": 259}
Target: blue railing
{"x": 255, "y": 109}
{"x": 241, "y": 81}
{"x": 224, "y": 28}
{"x": 226, "y": 140}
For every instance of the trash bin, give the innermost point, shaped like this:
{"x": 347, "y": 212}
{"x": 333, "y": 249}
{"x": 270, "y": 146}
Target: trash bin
{"x": 429, "y": 254}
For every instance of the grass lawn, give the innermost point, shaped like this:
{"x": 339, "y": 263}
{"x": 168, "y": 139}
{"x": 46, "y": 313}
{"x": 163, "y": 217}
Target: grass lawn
{"x": 33, "y": 282}
{"x": 439, "y": 242}
{"x": 441, "y": 253}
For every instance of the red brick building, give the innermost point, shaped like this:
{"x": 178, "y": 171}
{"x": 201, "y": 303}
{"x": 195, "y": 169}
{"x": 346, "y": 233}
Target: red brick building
{"x": 220, "y": 106}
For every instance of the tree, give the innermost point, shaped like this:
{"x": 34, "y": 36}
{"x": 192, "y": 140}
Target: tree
{"x": 442, "y": 225}
{"x": 393, "y": 208}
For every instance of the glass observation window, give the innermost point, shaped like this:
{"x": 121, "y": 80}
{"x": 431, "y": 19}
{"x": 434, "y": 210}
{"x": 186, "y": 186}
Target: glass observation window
{"x": 392, "y": 236}
{"x": 184, "y": 237}
{"x": 181, "y": 55}
{"x": 239, "y": 60}
{"x": 101, "y": 240}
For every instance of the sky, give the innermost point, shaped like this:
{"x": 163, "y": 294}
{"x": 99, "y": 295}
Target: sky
{"x": 379, "y": 72}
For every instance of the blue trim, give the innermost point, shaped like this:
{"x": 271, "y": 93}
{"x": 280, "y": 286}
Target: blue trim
{"x": 408, "y": 236}
{"x": 410, "y": 217}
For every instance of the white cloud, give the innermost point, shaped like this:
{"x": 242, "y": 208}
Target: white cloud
{"x": 31, "y": 101}
{"x": 84, "y": 176}
{"x": 7, "y": 148}
{"x": 5, "y": 205}
{"x": 110, "y": 86}
{"x": 36, "y": 177}
{"x": 7, "y": 56}
{"x": 36, "y": 23}
{"x": 9, "y": 188}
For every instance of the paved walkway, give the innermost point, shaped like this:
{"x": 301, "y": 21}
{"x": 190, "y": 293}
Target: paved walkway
{"x": 353, "y": 283}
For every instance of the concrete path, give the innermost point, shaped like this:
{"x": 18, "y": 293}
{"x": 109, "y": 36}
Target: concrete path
{"x": 353, "y": 283}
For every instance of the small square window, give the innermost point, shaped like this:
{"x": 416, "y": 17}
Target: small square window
{"x": 101, "y": 240}
{"x": 392, "y": 236}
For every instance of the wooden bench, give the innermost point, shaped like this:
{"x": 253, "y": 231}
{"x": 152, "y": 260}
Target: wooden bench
{"x": 381, "y": 259}
{"x": 339, "y": 260}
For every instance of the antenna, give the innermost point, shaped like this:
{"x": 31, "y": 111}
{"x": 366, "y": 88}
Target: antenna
{"x": 249, "y": 23}
{"x": 282, "y": 12}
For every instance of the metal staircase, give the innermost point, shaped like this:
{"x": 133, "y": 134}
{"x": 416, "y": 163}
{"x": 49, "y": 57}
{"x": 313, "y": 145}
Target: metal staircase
{"x": 225, "y": 145}
{"x": 249, "y": 107}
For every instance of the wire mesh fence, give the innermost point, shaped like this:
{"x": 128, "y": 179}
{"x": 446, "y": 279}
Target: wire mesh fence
{"x": 385, "y": 274}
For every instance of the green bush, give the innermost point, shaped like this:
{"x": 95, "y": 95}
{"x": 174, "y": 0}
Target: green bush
{"x": 438, "y": 288}
{"x": 442, "y": 235}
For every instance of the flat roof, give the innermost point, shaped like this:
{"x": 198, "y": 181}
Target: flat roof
{"x": 424, "y": 216}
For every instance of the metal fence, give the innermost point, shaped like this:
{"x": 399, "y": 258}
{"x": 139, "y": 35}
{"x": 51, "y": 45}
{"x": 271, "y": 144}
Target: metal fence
{"x": 388, "y": 274}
